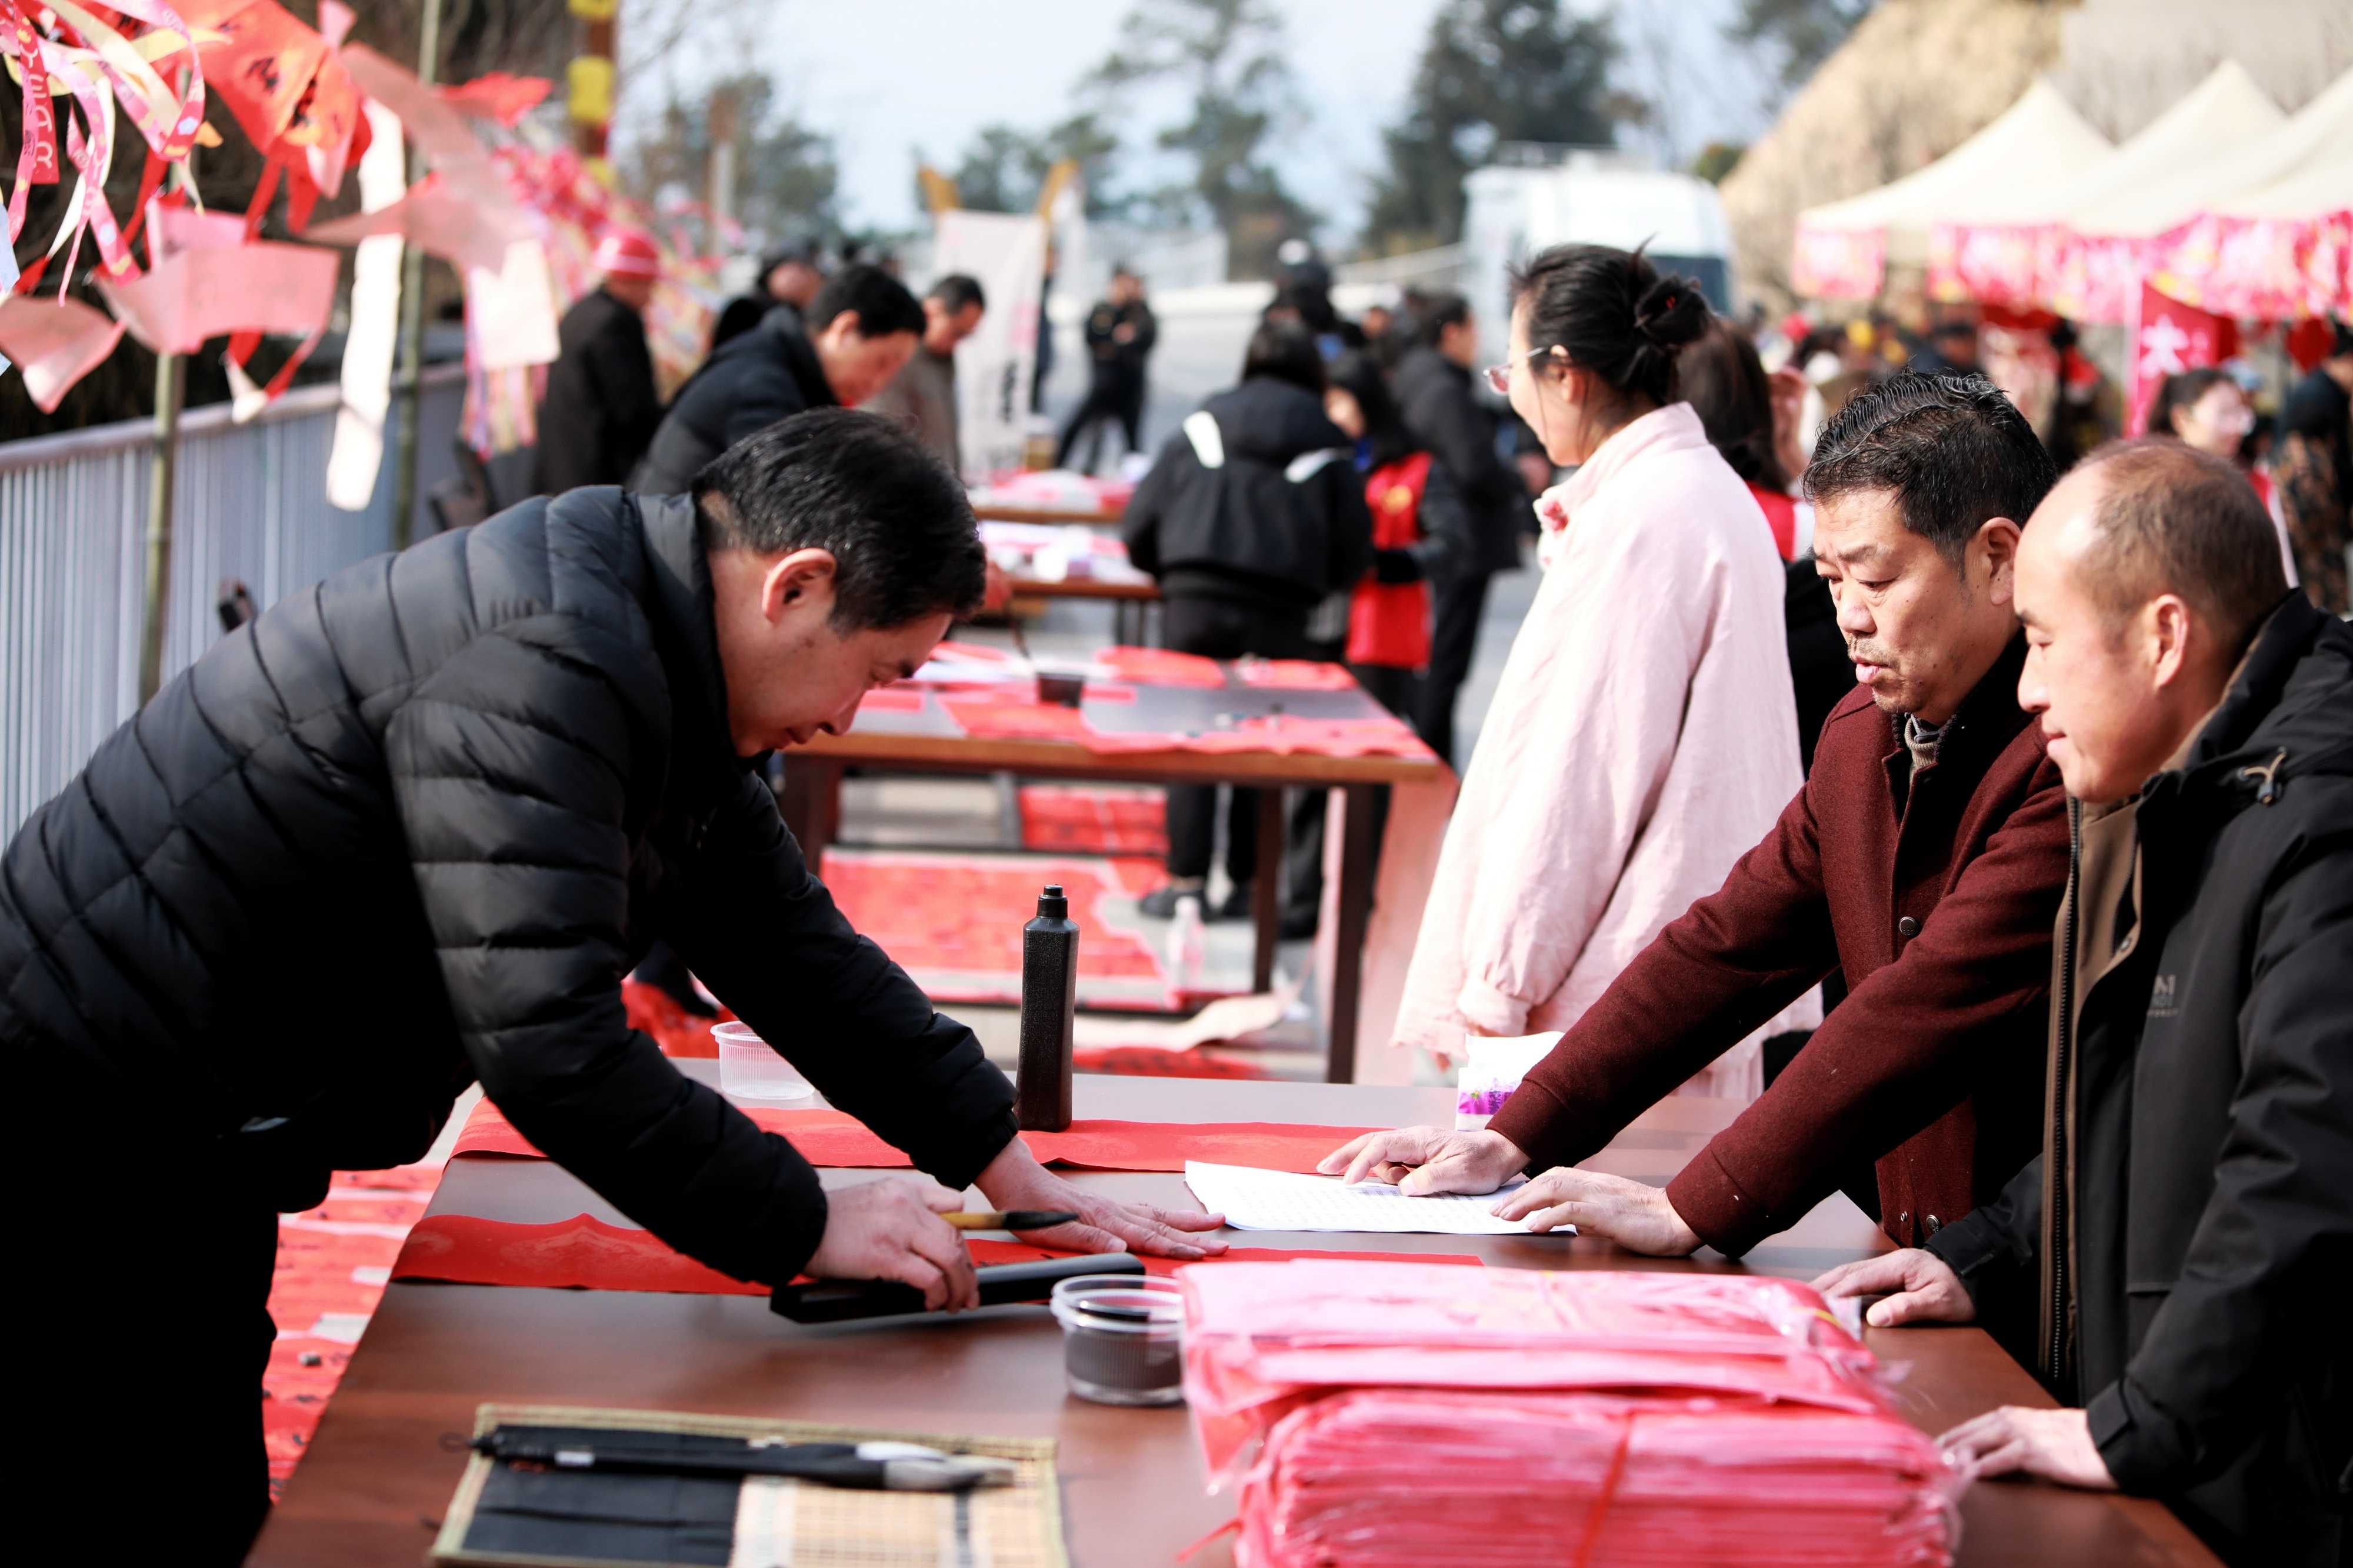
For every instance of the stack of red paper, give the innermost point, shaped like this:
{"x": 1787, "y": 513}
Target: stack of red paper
{"x": 1389, "y": 1414}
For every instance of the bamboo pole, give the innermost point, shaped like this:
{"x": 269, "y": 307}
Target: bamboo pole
{"x": 409, "y": 384}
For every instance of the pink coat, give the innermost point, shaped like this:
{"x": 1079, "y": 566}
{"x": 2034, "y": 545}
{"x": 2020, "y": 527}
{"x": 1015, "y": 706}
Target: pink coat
{"x": 1643, "y": 738}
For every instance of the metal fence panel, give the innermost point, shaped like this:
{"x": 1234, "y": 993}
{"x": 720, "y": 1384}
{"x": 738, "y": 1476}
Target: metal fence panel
{"x": 250, "y": 504}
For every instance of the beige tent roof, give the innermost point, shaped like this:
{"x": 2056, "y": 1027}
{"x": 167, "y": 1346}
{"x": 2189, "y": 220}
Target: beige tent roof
{"x": 2038, "y": 144}
{"x": 2321, "y": 184}
{"x": 2309, "y": 146}
{"x": 2224, "y": 112}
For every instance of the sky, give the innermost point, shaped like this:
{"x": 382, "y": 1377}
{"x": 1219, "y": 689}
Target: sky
{"x": 884, "y": 75}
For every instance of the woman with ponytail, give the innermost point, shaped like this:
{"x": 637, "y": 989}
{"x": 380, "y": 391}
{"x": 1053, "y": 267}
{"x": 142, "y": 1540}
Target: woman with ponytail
{"x": 1642, "y": 737}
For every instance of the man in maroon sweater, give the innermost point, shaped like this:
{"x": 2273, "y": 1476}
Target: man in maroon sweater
{"x": 1924, "y": 860}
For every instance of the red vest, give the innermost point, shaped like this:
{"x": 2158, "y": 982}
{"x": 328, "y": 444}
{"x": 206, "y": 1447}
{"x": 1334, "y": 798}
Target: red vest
{"x": 1388, "y": 623}
{"x": 1781, "y": 516}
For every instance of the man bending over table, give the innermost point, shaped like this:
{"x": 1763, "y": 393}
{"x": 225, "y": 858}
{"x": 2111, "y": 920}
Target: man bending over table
{"x": 2188, "y": 1229}
{"x": 409, "y": 829}
{"x": 1922, "y": 857}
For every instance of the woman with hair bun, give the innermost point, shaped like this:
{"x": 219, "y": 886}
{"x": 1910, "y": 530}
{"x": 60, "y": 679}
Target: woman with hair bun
{"x": 1643, "y": 736}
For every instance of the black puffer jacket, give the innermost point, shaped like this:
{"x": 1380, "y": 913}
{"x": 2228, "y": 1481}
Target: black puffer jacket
{"x": 748, "y": 384}
{"x": 410, "y": 828}
{"x": 601, "y": 407}
{"x": 1255, "y": 498}
{"x": 1436, "y": 399}
{"x": 2189, "y": 1224}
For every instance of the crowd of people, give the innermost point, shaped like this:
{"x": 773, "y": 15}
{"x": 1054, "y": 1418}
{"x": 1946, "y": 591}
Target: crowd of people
{"x": 1988, "y": 830}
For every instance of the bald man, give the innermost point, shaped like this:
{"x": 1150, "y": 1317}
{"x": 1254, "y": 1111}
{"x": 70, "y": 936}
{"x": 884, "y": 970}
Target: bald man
{"x": 2189, "y": 1228}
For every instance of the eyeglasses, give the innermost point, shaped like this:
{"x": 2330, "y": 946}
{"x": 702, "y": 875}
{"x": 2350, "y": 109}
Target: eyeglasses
{"x": 1499, "y": 376}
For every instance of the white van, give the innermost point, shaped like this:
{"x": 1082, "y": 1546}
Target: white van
{"x": 1544, "y": 196}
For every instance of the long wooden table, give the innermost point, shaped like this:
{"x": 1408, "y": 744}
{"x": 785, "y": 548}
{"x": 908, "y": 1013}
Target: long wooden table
{"x": 370, "y": 1493}
{"x": 928, "y": 740}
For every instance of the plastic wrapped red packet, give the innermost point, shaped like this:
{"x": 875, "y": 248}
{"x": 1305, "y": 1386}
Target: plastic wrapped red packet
{"x": 1373, "y": 1412}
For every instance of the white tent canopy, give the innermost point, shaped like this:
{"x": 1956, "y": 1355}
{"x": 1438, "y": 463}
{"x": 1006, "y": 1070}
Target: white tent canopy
{"x": 2307, "y": 147}
{"x": 2036, "y": 146}
{"x": 2224, "y": 112}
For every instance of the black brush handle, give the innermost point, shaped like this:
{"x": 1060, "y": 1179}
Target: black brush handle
{"x": 846, "y": 1301}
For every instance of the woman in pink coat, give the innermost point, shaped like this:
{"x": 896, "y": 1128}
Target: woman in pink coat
{"x": 1643, "y": 736}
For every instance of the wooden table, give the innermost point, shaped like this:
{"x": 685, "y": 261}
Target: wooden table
{"x": 371, "y": 1492}
{"x": 929, "y": 741}
{"x": 1127, "y": 596}
{"x": 1097, "y": 517}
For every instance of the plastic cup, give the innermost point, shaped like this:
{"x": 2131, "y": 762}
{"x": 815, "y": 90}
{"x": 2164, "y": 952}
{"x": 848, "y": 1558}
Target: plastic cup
{"x": 750, "y": 1068}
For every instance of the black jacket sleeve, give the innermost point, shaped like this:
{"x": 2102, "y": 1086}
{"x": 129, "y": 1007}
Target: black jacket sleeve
{"x": 1139, "y": 527}
{"x": 1351, "y": 524}
{"x": 510, "y": 770}
{"x": 1446, "y": 542}
{"x": 2271, "y": 1249}
{"x": 621, "y": 368}
{"x": 763, "y": 933}
{"x": 1994, "y": 1248}
{"x": 1463, "y": 439}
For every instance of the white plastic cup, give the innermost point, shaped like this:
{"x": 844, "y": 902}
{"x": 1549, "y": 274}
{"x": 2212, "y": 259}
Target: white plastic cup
{"x": 750, "y": 1068}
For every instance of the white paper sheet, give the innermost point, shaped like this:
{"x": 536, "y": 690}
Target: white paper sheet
{"x": 1252, "y": 1199}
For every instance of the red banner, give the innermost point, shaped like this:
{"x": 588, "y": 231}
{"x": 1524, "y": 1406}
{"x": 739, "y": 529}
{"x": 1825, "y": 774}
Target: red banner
{"x": 2169, "y": 337}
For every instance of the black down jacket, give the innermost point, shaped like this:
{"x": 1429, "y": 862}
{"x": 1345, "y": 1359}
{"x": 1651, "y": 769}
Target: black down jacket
{"x": 601, "y": 407}
{"x": 1441, "y": 407}
{"x": 410, "y": 828}
{"x": 1256, "y": 498}
{"x": 748, "y": 384}
{"x": 2189, "y": 1224}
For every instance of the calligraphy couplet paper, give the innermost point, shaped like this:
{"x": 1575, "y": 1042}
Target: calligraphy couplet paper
{"x": 1282, "y": 1200}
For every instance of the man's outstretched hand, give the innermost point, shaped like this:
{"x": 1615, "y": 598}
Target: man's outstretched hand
{"x": 1920, "y": 1288}
{"x": 891, "y": 1229}
{"x": 1424, "y": 1160}
{"x": 1637, "y": 1217}
{"x": 1014, "y": 1180}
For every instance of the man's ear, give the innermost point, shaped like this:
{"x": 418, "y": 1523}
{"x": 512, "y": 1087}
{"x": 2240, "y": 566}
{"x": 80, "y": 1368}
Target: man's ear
{"x": 843, "y": 327}
{"x": 795, "y": 580}
{"x": 1997, "y": 540}
{"x": 2169, "y": 628}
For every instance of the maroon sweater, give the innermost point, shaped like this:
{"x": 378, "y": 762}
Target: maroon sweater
{"x": 1936, "y": 897}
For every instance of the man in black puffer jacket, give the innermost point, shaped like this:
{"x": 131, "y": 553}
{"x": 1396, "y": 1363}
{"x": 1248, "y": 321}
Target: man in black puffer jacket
{"x": 1253, "y": 514}
{"x": 2186, "y": 1235}
{"x": 409, "y": 829}
{"x": 856, "y": 335}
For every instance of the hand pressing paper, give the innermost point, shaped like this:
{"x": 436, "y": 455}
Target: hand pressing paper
{"x": 1253, "y": 1199}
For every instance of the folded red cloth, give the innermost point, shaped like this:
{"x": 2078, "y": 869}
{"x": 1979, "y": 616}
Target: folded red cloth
{"x": 583, "y": 1253}
{"x": 831, "y": 1138}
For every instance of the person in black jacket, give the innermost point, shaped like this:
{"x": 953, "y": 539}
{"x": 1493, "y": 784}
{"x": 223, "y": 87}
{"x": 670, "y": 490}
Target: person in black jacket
{"x": 601, "y": 406}
{"x": 859, "y": 332}
{"x": 1434, "y": 392}
{"x": 2187, "y": 1232}
{"x": 1120, "y": 334}
{"x": 1250, "y": 515}
{"x": 407, "y": 830}
{"x": 789, "y": 277}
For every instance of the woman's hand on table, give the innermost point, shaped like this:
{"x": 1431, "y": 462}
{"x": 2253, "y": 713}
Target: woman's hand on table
{"x": 1637, "y": 1217}
{"x": 1425, "y": 1160}
{"x": 1919, "y": 1287}
{"x": 2014, "y": 1440}
{"x": 891, "y": 1229}
{"x": 1014, "y": 1180}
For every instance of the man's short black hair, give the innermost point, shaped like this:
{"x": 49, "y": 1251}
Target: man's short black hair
{"x": 902, "y": 533}
{"x": 957, "y": 290}
{"x": 1441, "y": 312}
{"x": 881, "y": 301}
{"x": 1954, "y": 450}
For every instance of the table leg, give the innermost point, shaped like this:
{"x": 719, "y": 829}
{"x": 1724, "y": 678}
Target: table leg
{"x": 1359, "y": 858}
{"x": 812, "y": 804}
{"x": 1266, "y": 896}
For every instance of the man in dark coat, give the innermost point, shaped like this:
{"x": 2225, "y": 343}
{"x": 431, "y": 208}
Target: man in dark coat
{"x": 1120, "y": 332}
{"x": 791, "y": 277}
{"x": 1923, "y": 860}
{"x": 1253, "y": 514}
{"x": 858, "y": 331}
{"x": 601, "y": 406}
{"x": 2187, "y": 1232}
{"x": 407, "y": 830}
{"x": 1434, "y": 393}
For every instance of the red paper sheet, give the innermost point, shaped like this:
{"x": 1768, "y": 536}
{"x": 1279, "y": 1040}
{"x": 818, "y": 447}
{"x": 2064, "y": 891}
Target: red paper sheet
{"x": 1295, "y": 675}
{"x": 1163, "y": 667}
{"x": 583, "y": 1253}
{"x": 987, "y": 719}
{"x": 833, "y": 1139}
